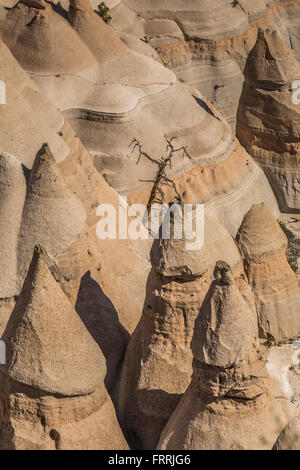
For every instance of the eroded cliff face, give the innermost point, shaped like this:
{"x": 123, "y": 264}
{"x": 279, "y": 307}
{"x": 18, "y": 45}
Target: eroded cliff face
{"x": 111, "y": 94}
{"x": 206, "y": 43}
{"x": 103, "y": 336}
{"x": 267, "y": 118}
{"x": 244, "y": 57}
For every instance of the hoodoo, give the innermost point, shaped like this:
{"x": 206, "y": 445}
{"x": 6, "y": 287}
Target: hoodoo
{"x": 229, "y": 403}
{"x": 289, "y": 438}
{"x": 53, "y": 215}
{"x": 52, "y": 393}
{"x": 158, "y": 362}
{"x": 274, "y": 283}
{"x": 117, "y": 333}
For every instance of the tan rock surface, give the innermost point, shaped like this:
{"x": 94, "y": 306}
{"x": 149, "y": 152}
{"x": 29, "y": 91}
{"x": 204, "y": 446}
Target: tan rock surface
{"x": 53, "y": 375}
{"x": 289, "y": 438}
{"x": 229, "y": 403}
{"x": 206, "y": 43}
{"x": 275, "y": 285}
{"x": 121, "y": 95}
{"x": 268, "y": 121}
{"x": 52, "y": 214}
{"x": 158, "y": 362}
{"x": 12, "y": 196}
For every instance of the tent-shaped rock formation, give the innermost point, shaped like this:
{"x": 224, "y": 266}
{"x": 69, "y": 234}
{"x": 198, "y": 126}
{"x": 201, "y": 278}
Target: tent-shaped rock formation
{"x": 229, "y": 402}
{"x": 158, "y": 361}
{"x": 275, "y": 285}
{"x": 52, "y": 391}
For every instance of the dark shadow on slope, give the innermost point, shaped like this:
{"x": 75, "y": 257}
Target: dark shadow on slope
{"x": 205, "y": 106}
{"x": 102, "y": 321}
{"x": 26, "y": 173}
{"x": 154, "y": 423}
{"x": 58, "y": 9}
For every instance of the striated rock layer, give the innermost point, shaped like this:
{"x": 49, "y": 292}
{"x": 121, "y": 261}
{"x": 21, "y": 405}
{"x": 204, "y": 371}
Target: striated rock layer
{"x": 229, "y": 403}
{"x": 206, "y": 43}
{"x": 110, "y": 94}
{"x": 268, "y": 120}
{"x": 58, "y": 208}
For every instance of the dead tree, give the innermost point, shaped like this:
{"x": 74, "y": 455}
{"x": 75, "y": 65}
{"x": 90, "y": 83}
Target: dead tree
{"x": 157, "y": 195}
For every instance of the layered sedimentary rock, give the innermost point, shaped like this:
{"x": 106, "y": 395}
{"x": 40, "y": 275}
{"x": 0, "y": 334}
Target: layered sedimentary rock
{"x": 275, "y": 285}
{"x": 206, "y": 43}
{"x": 111, "y": 94}
{"x": 158, "y": 362}
{"x": 92, "y": 272}
{"x": 181, "y": 33}
{"x": 52, "y": 389}
{"x": 229, "y": 403}
{"x": 27, "y": 121}
{"x": 268, "y": 120}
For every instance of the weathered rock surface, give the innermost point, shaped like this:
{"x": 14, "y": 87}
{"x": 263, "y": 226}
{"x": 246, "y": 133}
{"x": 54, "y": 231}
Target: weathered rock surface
{"x": 52, "y": 214}
{"x": 52, "y": 390}
{"x": 67, "y": 330}
{"x": 12, "y": 196}
{"x": 92, "y": 272}
{"x": 158, "y": 362}
{"x": 275, "y": 285}
{"x": 289, "y": 438}
{"x": 229, "y": 403}
{"x": 110, "y": 94}
{"x": 268, "y": 120}
{"x": 206, "y": 43}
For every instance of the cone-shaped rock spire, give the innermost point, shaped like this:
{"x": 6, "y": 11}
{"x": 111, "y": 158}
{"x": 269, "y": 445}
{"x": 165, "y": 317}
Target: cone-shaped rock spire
{"x": 274, "y": 283}
{"x": 271, "y": 60}
{"x": 158, "y": 360}
{"x": 268, "y": 118}
{"x": 48, "y": 346}
{"x": 228, "y": 404}
{"x": 226, "y": 328}
{"x": 173, "y": 258}
{"x": 52, "y": 215}
{"x": 98, "y": 36}
{"x": 260, "y": 233}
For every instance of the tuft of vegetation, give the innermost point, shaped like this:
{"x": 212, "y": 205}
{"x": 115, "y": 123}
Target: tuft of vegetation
{"x": 293, "y": 249}
{"x": 103, "y": 12}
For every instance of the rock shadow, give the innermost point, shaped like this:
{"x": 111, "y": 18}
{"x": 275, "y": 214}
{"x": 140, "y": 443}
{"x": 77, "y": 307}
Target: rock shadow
{"x": 102, "y": 321}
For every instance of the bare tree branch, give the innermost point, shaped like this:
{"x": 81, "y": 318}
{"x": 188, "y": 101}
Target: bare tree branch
{"x": 161, "y": 179}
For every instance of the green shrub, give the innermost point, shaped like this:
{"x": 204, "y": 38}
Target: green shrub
{"x": 103, "y": 12}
